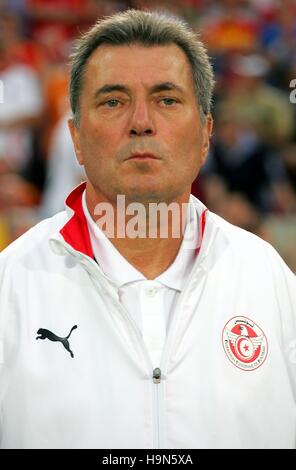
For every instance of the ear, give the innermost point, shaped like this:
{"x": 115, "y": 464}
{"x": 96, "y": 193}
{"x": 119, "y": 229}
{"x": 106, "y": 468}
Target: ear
{"x": 74, "y": 131}
{"x": 207, "y": 128}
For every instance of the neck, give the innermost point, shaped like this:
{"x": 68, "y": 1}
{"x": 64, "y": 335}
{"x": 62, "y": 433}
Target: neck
{"x": 149, "y": 239}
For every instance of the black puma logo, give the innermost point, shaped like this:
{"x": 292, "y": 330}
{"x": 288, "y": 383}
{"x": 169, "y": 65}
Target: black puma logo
{"x": 52, "y": 337}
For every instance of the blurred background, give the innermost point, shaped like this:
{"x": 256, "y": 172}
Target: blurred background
{"x": 250, "y": 176}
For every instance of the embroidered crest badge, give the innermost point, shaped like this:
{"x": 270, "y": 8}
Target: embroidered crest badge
{"x": 244, "y": 343}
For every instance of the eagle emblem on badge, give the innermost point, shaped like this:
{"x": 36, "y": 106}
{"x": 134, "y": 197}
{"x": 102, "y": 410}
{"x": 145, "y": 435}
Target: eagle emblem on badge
{"x": 245, "y": 343}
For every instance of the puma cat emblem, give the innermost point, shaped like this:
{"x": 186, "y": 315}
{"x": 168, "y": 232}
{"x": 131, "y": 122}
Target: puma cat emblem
{"x": 46, "y": 334}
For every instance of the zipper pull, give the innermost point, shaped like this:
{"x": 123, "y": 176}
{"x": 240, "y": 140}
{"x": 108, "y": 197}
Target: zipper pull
{"x": 156, "y": 375}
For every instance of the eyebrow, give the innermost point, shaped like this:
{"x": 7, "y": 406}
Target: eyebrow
{"x": 158, "y": 87}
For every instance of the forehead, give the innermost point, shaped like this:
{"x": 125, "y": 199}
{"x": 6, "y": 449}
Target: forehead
{"x": 137, "y": 63}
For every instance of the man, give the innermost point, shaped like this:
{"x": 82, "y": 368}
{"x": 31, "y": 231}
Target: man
{"x": 146, "y": 341}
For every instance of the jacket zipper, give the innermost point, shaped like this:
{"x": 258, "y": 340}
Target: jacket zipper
{"x": 156, "y": 405}
{"x": 155, "y": 380}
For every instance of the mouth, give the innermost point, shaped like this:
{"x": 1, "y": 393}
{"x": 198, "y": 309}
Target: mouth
{"x": 143, "y": 156}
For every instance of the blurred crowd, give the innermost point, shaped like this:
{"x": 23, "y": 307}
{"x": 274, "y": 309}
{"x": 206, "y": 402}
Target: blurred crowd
{"x": 250, "y": 176}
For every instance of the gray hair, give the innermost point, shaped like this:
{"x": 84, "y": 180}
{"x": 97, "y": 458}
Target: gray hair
{"x": 148, "y": 29}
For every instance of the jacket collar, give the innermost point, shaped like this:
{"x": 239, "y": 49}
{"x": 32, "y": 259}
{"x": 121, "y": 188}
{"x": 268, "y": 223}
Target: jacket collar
{"x": 75, "y": 232}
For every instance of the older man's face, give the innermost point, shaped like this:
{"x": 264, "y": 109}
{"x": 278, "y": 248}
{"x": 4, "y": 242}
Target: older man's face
{"x": 138, "y": 103}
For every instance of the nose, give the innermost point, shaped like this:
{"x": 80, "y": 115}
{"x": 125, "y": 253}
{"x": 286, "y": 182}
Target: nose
{"x": 141, "y": 123}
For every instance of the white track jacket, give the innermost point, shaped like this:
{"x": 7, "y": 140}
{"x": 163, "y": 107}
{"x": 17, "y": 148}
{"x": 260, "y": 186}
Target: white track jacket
{"x": 227, "y": 376}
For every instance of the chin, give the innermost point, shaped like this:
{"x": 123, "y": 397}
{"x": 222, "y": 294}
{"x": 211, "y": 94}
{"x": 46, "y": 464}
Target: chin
{"x": 143, "y": 197}
{"x": 151, "y": 195}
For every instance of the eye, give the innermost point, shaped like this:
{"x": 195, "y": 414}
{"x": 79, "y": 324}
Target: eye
{"x": 112, "y": 103}
{"x": 168, "y": 101}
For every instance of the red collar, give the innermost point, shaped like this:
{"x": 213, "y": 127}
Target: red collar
{"x": 76, "y": 233}
{"x": 202, "y": 226}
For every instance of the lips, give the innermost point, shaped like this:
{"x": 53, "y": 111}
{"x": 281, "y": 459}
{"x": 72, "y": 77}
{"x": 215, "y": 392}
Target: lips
{"x": 143, "y": 156}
